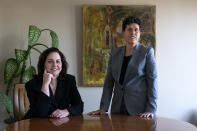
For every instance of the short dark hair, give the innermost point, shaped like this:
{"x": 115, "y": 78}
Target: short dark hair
{"x": 43, "y": 58}
{"x": 130, "y": 20}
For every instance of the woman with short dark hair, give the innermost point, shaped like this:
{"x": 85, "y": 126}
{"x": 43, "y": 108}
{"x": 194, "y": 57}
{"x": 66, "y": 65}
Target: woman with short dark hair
{"x": 131, "y": 76}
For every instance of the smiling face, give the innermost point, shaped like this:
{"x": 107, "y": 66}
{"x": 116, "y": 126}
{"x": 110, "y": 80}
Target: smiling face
{"x": 53, "y": 64}
{"x": 132, "y": 34}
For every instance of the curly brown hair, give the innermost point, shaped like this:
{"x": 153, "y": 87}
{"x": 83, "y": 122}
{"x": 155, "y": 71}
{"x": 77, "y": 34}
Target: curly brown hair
{"x": 42, "y": 60}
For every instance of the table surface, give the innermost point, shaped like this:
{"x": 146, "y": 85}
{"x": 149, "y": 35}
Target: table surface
{"x": 101, "y": 123}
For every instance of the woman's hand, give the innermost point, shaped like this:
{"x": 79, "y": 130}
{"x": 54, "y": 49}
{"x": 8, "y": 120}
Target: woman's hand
{"x": 60, "y": 113}
{"x": 47, "y": 77}
{"x": 58, "y": 122}
{"x": 146, "y": 115}
{"x": 97, "y": 112}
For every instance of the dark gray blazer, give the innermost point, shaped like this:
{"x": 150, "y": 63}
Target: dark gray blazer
{"x": 139, "y": 87}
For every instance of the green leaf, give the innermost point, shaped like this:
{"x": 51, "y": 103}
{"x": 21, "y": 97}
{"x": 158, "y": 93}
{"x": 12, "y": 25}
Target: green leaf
{"x": 10, "y": 69}
{"x": 34, "y": 34}
{"x": 20, "y": 55}
{"x": 28, "y": 74}
{"x": 7, "y": 103}
{"x": 19, "y": 69}
{"x": 54, "y": 37}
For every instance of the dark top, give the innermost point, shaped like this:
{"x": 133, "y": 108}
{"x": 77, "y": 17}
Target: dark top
{"x": 123, "y": 109}
{"x": 66, "y": 97}
{"x": 124, "y": 68}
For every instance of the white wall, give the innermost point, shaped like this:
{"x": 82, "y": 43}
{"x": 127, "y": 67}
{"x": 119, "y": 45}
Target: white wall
{"x": 176, "y": 45}
{"x": 176, "y": 58}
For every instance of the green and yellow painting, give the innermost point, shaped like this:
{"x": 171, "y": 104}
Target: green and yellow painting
{"x": 102, "y": 31}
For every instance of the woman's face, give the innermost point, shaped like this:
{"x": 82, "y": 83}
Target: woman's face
{"x": 53, "y": 64}
{"x": 132, "y": 34}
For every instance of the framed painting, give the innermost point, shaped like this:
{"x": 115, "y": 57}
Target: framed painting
{"x": 102, "y": 31}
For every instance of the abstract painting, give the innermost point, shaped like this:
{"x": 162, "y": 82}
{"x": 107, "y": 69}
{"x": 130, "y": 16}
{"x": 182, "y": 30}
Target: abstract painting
{"x": 102, "y": 31}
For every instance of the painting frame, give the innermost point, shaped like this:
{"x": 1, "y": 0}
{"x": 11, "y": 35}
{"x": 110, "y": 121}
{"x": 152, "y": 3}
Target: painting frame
{"x": 102, "y": 31}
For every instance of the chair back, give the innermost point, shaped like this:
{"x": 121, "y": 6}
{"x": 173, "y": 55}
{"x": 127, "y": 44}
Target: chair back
{"x": 21, "y": 102}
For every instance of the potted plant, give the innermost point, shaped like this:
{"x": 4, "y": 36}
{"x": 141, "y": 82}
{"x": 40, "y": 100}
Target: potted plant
{"x": 17, "y": 68}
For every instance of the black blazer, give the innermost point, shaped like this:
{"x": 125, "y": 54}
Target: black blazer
{"x": 66, "y": 97}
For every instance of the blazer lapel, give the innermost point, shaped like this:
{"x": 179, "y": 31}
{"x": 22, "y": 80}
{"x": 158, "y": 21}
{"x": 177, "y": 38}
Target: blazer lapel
{"x": 131, "y": 63}
{"x": 118, "y": 62}
{"x": 60, "y": 91}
